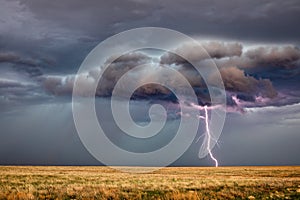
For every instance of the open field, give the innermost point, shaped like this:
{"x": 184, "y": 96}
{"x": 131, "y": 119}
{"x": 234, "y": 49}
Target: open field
{"x": 24, "y": 182}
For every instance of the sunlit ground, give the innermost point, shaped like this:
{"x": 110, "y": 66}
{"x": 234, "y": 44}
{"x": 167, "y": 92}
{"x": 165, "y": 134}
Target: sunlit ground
{"x": 49, "y": 182}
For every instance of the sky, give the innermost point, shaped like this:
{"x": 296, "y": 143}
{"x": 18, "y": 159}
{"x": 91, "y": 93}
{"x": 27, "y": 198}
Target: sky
{"x": 254, "y": 44}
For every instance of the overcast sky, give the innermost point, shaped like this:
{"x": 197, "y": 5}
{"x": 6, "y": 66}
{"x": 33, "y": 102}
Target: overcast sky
{"x": 255, "y": 45}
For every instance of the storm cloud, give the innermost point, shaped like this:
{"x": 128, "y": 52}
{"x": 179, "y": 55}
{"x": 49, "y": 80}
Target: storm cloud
{"x": 235, "y": 80}
{"x": 282, "y": 56}
{"x": 195, "y": 53}
{"x": 232, "y": 61}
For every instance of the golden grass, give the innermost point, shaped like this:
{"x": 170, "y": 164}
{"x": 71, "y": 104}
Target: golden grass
{"x": 30, "y": 182}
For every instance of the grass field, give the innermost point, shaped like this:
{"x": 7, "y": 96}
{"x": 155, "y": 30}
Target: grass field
{"x": 24, "y": 182}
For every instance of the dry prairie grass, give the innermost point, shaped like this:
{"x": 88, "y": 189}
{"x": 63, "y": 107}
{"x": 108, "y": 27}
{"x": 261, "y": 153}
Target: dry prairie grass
{"x": 31, "y": 182}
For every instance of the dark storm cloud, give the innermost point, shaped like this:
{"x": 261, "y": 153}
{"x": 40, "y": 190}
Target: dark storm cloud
{"x": 232, "y": 54}
{"x": 19, "y": 82}
{"x": 243, "y": 20}
{"x": 5, "y": 83}
{"x": 18, "y": 90}
{"x": 234, "y": 67}
{"x": 22, "y": 63}
{"x": 195, "y": 53}
{"x": 66, "y": 31}
{"x": 96, "y": 17}
{"x": 58, "y": 85}
{"x": 69, "y": 21}
{"x": 278, "y": 63}
{"x": 11, "y": 57}
{"x": 29, "y": 35}
{"x": 250, "y": 72}
{"x": 282, "y": 56}
{"x": 63, "y": 84}
{"x": 235, "y": 80}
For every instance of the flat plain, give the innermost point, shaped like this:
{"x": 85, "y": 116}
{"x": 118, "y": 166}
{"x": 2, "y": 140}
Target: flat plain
{"x": 93, "y": 182}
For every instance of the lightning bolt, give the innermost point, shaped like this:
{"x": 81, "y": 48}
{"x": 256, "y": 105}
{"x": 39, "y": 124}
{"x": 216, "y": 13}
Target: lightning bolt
{"x": 207, "y": 130}
{"x": 209, "y": 138}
